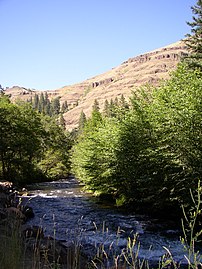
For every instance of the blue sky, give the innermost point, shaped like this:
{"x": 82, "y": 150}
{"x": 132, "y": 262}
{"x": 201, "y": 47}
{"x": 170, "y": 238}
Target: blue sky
{"x": 47, "y": 44}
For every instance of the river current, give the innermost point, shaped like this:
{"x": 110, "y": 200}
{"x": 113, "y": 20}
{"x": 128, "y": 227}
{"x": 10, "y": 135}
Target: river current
{"x": 65, "y": 211}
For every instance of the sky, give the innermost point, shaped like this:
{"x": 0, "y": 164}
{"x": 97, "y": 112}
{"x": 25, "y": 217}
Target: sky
{"x": 47, "y": 44}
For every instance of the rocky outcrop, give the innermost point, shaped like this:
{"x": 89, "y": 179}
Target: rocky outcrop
{"x": 159, "y": 55}
{"x": 102, "y": 82}
{"x": 10, "y": 209}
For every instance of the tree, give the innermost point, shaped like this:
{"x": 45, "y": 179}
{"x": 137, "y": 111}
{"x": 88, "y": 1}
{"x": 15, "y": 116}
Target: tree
{"x": 36, "y": 101}
{"x": 96, "y": 106}
{"x": 106, "y": 108}
{"x": 64, "y": 107}
{"x": 123, "y": 103}
{"x": 55, "y": 106}
{"x": 93, "y": 156}
{"x": 47, "y": 109}
{"x": 151, "y": 156}
{"x": 1, "y": 89}
{"x": 42, "y": 103}
{"x": 62, "y": 122}
{"x": 194, "y": 40}
{"x": 176, "y": 118}
{"x": 32, "y": 145}
{"x": 82, "y": 121}
{"x": 46, "y": 100}
{"x": 21, "y": 141}
{"x": 55, "y": 162}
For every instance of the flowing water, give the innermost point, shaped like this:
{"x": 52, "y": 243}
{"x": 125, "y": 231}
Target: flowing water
{"x": 66, "y": 212}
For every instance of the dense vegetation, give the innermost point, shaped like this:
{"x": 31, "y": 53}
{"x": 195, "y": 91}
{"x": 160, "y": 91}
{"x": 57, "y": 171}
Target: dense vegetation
{"x": 151, "y": 153}
{"x": 32, "y": 145}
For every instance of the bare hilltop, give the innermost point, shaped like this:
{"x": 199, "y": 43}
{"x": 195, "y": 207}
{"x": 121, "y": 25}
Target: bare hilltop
{"x": 150, "y": 67}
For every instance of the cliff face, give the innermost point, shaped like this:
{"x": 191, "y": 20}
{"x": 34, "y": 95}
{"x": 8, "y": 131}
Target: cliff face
{"x": 150, "y": 68}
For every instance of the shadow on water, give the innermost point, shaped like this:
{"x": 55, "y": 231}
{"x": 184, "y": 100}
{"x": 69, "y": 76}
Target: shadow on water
{"x": 64, "y": 209}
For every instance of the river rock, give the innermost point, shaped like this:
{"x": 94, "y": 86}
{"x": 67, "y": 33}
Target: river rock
{"x": 15, "y": 213}
{"x": 27, "y": 211}
{"x": 6, "y": 186}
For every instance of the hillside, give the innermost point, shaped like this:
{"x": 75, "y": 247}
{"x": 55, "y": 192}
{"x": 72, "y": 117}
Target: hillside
{"x": 146, "y": 68}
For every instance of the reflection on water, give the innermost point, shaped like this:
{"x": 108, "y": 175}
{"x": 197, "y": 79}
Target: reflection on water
{"x": 63, "y": 207}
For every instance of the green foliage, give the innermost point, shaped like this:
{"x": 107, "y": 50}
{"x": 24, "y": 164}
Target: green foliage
{"x": 176, "y": 117}
{"x": 82, "y": 121}
{"x": 62, "y": 122}
{"x": 64, "y": 107}
{"x": 55, "y": 161}
{"x": 194, "y": 41}
{"x": 96, "y": 106}
{"x": 55, "y": 106}
{"x": 93, "y": 156}
{"x": 26, "y": 139}
{"x": 21, "y": 137}
{"x": 151, "y": 153}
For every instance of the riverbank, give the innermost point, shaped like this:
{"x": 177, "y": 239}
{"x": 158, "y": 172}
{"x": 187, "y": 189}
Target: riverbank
{"x": 23, "y": 246}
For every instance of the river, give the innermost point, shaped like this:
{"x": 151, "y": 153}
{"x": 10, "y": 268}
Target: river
{"x": 65, "y": 211}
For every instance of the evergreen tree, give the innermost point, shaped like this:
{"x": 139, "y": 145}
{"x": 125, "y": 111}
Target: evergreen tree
{"x": 106, "y": 108}
{"x": 47, "y": 109}
{"x": 96, "y": 106}
{"x": 1, "y": 89}
{"x": 82, "y": 121}
{"x": 194, "y": 40}
{"x": 46, "y": 100}
{"x": 116, "y": 102}
{"x": 64, "y": 107}
{"x": 55, "y": 106}
{"x": 42, "y": 103}
{"x": 62, "y": 122}
{"x": 123, "y": 103}
{"x": 36, "y": 102}
{"x": 112, "y": 109}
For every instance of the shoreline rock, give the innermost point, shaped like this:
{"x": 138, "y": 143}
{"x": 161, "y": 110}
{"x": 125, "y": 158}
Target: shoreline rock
{"x": 13, "y": 217}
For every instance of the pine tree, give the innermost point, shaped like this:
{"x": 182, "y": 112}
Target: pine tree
{"x": 46, "y": 98}
{"x": 82, "y": 121}
{"x": 96, "y": 116}
{"x": 55, "y": 105}
{"x": 42, "y": 102}
{"x": 62, "y": 122}
{"x": 106, "y": 108}
{"x": 64, "y": 107}
{"x": 123, "y": 103}
{"x": 96, "y": 106}
{"x": 36, "y": 102}
{"x": 194, "y": 40}
{"x": 47, "y": 109}
{"x": 112, "y": 109}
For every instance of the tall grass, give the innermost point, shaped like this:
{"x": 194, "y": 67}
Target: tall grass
{"x": 11, "y": 253}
